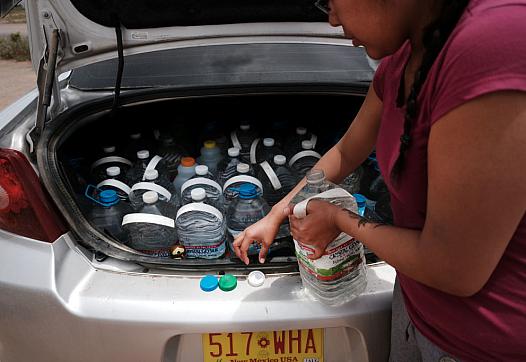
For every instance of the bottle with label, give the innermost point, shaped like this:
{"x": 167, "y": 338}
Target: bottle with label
{"x": 164, "y": 189}
{"x": 303, "y": 161}
{"x": 115, "y": 181}
{"x": 244, "y": 174}
{"x": 146, "y": 162}
{"x": 152, "y": 229}
{"x": 107, "y": 211}
{"x": 205, "y": 180}
{"x": 201, "y": 228}
{"x": 227, "y": 167}
{"x": 263, "y": 151}
{"x": 184, "y": 172}
{"x": 340, "y": 274}
{"x": 277, "y": 179}
{"x": 210, "y": 156}
{"x": 108, "y": 158}
{"x": 242, "y": 138}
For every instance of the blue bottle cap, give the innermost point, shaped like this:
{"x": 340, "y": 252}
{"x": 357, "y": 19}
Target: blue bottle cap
{"x": 248, "y": 191}
{"x": 108, "y": 196}
{"x": 209, "y": 283}
{"x": 360, "y": 200}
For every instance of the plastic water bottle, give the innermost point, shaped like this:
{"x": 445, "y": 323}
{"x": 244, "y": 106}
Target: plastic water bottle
{"x": 108, "y": 158}
{"x": 340, "y": 274}
{"x": 360, "y": 203}
{"x": 162, "y": 186}
{"x": 115, "y": 181}
{"x": 136, "y": 143}
{"x": 263, "y": 151}
{"x": 201, "y": 228}
{"x": 146, "y": 162}
{"x": 277, "y": 179}
{"x": 227, "y": 167}
{"x": 351, "y": 183}
{"x": 244, "y": 174}
{"x": 107, "y": 211}
{"x": 152, "y": 229}
{"x": 184, "y": 172}
{"x": 205, "y": 180}
{"x": 210, "y": 156}
{"x": 242, "y": 138}
{"x": 293, "y": 144}
{"x": 248, "y": 208}
{"x": 303, "y": 161}
{"x": 171, "y": 153}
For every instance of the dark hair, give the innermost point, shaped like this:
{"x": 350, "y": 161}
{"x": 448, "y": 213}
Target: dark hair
{"x": 435, "y": 36}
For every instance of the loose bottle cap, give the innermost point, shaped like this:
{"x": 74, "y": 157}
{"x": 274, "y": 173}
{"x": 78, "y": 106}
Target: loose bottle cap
{"x": 244, "y": 127}
{"x": 187, "y": 161}
{"x": 198, "y": 194}
{"x": 209, "y": 283}
{"x": 109, "y": 149}
{"x": 227, "y": 283}
{"x": 150, "y": 197}
{"x": 256, "y": 278}
{"x": 301, "y": 131}
{"x": 242, "y": 167}
{"x": 143, "y": 154}
{"x": 135, "y": 136}
{"x": 201, "y": 170}
{"x": 108, "y": 196}
{"x": 268, "y": 142}
{"x": 280, "y": 160}
{"x": 360, "y": 200}
{"x": 233, "y": 152}
{"x": 113, "y": 171}
{"x": 210, "y": 144}
{"x": 151, "y": 174}
{"x": 306, "y": 144}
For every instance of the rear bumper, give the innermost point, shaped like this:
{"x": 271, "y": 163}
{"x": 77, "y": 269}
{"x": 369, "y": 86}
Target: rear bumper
{"x": 56, "y": 306}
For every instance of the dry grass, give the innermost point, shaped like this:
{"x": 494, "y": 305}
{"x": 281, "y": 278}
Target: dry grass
{"x": 16, "y": 16}
{"x": 15, "y": 47}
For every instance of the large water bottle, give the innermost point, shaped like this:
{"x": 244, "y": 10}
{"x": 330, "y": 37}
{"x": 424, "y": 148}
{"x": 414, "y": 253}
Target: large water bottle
{"x": 263, "y": 151}
{"x": 115, "y": 181}
{"x": 293, "y": 144}
{"x": 340, "y": 274}
{"x": 205, "y": 180}
{"x": 303, "y": 161}
{"x": 107, "y": 211}
{"x": 152, "y": 229}
{"x": 277, "y": 179}
{"x": 171, "y": 153}
{"x": 201, "y": 228}
{"x": 210, "y": 156}
{"x": 136, "y": 142}
{"x": 242, "y": 138}
{"x": 244, "y": 174}
{"x": 184, "y": 172}
{"x": 146, "y": 162}
{"x": 108, "y": 158}
{"x": 248, "y": 208}
{"x": 164, "y": 189}
{"x": 227, "y": 167}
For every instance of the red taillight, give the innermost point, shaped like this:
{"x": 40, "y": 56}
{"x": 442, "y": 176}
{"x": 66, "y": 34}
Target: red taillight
{"x": 24, "y": 207}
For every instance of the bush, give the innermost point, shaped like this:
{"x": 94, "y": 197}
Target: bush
{"x": 14, "y": 47}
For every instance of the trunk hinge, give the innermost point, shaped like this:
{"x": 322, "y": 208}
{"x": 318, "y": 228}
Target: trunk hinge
{"x": 120, "y": 67}
{"x": 46, "y": 83}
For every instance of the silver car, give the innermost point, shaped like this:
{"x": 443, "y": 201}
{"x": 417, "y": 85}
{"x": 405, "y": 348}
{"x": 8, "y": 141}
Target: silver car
{"x": 70, "y": 292}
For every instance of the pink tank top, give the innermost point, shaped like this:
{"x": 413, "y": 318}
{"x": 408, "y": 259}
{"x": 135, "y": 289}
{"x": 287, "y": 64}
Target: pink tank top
{"x": 485, "y": 53}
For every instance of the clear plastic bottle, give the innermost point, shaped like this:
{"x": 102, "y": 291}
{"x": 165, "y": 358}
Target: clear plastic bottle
{"x": 210, "y": 156}
{"x": 107, "y": 211}
{"x": 115, "y": 181}
{"x": 162, "y": 186}
{"x": 340, "y": 274}
{"x": 145, "y": 162}
{"x": 227, "y": 167}
{"x": 184, "y": 172}
{"x": 151, "y": 230}
{"x": 205, "y": 180}
{"x": 105, "y": 159}
{"x": 303, "y": 161}
{"x": 242, "y": 138}
{"x": 248, "y": 208}
{"x": 277, "y": 179}
{"x": 201, "y": 228}
{"x": 263, "y": 151}
{"x": 293, "y": 143}
{"x": 244, "y": 174}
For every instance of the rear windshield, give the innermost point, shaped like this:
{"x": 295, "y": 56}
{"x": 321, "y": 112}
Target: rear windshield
{"x": 140, "y": 14}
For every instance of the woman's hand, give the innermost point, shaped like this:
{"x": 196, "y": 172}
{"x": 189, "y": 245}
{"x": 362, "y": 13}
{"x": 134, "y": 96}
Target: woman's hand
{"x": 318, "y": 228}
{"x": 262, "y": 232}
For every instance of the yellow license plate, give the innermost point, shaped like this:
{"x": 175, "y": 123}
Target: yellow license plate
{"x": 305, "y": 345}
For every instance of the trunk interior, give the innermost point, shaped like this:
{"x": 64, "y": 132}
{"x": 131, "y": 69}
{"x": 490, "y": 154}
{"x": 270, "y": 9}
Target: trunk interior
{"x": 77, "y": 136}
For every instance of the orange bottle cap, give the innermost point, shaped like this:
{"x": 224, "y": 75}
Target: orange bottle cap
{"x": 187, "y": 161}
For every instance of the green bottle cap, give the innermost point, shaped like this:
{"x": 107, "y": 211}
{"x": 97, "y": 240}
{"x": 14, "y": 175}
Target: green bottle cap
{"x": 227, "y": 283}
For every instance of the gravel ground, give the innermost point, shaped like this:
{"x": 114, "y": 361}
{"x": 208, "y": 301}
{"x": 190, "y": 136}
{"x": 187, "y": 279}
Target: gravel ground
{"x": 16, "y": 79}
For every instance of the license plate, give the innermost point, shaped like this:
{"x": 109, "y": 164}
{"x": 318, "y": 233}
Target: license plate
{"x": 305, "y": 345}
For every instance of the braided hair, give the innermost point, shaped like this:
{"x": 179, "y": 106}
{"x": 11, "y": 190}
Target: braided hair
{"x": 435, "y": 36}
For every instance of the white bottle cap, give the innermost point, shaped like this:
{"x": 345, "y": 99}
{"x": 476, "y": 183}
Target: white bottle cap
{"x": 109, "y": 149}
{"x": 233, "y": 152}
{"x": 198, "y": 194}
{"x": 150, "y": 197}
{"x": 143, "y": 154}
{"x": 244, "y": 127}
{"x": 306, "y": 144}
{"x": 301, "y": 131}
{"x": 113, "y": 171}
{"x": 242, "y": 168}
{"x": 268, "y": 142}
{"x": 201, "y": 170}
{"x": 280, "y": 160}
{"x": 151, "y": 174}
{"x": 135, "y": 136}
{"x": 256, "y": 278}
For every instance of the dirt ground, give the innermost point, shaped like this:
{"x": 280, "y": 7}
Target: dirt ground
{"x": 16, "y": 79}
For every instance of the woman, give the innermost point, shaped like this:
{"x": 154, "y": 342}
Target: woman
{"x": 447, "y": 115}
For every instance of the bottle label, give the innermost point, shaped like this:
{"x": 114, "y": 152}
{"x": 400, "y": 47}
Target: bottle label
{"x": 204, "y": 250}
{"x": 158, "y": 253}
{"x": 274, "y": 180}
{"x": 253, "y": 148}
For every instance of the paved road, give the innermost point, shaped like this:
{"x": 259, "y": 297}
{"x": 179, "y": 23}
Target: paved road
{"x": 16, "y": 79}
{"x": 7, "y": 29}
